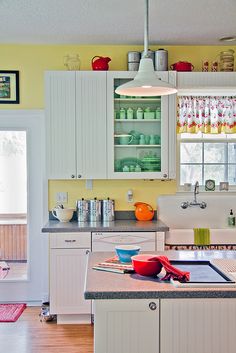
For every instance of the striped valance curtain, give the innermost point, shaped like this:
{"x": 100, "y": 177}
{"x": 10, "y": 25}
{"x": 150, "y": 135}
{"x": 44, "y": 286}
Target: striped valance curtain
{"x": 210, "y": 115}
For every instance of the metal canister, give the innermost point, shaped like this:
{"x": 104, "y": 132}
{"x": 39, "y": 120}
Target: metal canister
{"x": 151, "y": 55}
{"x": 82, "y": 210}
{"x": 108, "y": 210}
{"x": 134, "y": 56}
{"x": 161, "y": 60}
{"x": 132, "y": 66}
{"x": 95, "y": 210}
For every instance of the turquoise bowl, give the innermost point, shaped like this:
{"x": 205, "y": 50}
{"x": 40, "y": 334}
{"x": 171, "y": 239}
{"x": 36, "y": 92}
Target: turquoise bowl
{"x": 125, "y": 252}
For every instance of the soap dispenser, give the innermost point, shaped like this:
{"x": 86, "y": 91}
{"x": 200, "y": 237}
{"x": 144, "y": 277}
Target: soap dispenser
{"x": 231, "y": 219}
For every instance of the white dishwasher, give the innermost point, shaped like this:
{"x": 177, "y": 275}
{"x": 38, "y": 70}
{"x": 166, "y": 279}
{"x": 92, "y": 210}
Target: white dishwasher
{"x": 106, "y": 241}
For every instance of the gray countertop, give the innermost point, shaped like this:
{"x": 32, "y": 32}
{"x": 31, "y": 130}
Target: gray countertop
{"x": 107, "y": 285}
{"x": 118, "y": 225}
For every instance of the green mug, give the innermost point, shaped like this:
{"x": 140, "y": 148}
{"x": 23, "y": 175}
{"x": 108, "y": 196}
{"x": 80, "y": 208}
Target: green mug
{"x": 125, "y": 139}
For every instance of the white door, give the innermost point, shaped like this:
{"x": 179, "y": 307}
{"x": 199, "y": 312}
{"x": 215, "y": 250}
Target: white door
{"x": 33, "y": 286}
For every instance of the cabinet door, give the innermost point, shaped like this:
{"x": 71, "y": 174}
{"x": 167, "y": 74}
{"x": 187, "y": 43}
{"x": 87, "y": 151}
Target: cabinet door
{"x": 126, "y": 326}
{"x": 67, "y": 278}
{"x": 60, "y": 124}
{"x": 91, "y": 128}
{"x": 197, "y": 325}
{"x": 137, "y": 132}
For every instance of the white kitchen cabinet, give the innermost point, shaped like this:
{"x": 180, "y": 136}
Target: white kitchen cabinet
{"x": 197, "y": 325}
{"x": 149, "y": 152}
{"x": 76, "y": 124}
{"x": 68, "y": 262}
{"x": 81, "y": 127}
{"x": 126, "y": 326}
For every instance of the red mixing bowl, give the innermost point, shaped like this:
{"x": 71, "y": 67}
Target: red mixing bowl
{"x": 145, "y": 266}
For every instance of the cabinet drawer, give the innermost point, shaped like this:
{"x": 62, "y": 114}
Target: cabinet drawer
{"x": 70, "y": 240}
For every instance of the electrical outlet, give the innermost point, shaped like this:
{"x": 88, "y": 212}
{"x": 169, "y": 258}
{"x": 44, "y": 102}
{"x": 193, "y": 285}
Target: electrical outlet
{"x": 62, "y": 197}
{"x": 130, "y": 196}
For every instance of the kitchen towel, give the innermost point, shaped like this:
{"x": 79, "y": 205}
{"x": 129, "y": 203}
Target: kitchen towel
{"x": 171, "y": 271}
{"x": 201, "y": 236}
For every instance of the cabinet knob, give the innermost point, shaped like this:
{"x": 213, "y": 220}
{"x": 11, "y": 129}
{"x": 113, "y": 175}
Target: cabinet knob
{"x": 79, "y": 175}
{"x": 87, "y": 252}
{"x": 72, "y": 176}
{"x": 165, "y": 175}
{"x": 152, "y": 306}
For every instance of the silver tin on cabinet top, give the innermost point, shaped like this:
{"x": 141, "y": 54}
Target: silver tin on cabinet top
{"x": 134, "y": 56}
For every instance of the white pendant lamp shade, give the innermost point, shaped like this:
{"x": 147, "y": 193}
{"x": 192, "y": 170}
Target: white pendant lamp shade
{"x": 146, "y": 83}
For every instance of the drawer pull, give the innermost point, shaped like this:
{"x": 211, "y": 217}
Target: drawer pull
{"x": 70, "y": 241}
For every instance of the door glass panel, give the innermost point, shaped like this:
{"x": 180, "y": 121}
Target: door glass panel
{"x": 13, "y": 205}
{"x": 137, "y": 133}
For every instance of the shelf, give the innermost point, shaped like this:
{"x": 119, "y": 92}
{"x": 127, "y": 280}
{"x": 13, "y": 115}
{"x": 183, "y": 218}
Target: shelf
{"x": 137, "y": 100}
{"x": 137, "y": 120}
{"x": 142, "y": 146}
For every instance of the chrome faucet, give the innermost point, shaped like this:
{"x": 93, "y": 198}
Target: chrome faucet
{"x": 195, "y": 192}
{"x": 187, "y": 204}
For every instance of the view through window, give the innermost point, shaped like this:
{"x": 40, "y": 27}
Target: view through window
{"x": 13, "y": 205}
{"x": 207, "y": 156}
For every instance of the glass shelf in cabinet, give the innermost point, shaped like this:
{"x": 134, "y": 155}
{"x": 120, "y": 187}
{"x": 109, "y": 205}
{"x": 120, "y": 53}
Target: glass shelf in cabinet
{"x": 145, "y": 146}
{"x": 137, "y": 99}
{"x": 137, "y": 120}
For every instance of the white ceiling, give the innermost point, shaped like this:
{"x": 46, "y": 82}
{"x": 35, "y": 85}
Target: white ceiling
{"x": 171, "y": 22}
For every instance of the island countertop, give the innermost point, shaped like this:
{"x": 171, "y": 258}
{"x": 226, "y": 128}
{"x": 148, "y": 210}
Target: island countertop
{"x": 107, "y": 285}
{"x": 114, "y": 226}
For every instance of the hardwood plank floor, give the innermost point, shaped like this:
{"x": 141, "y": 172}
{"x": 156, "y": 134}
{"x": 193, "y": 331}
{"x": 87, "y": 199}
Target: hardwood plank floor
{"x": 29, "y": 335}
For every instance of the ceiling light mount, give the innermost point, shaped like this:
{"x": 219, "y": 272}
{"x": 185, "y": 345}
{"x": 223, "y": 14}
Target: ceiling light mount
{"x": 146, "y": 83}
{"x": 228, "y": 39}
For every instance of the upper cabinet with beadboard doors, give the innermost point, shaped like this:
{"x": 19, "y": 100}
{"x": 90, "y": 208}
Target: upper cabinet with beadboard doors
{"x": 76, "y": 124}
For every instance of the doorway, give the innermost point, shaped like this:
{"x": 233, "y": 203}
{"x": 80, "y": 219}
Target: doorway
{"x": 23, "y": 249}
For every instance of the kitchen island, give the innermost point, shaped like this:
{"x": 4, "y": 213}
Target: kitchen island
{"x": 135, "y": 314}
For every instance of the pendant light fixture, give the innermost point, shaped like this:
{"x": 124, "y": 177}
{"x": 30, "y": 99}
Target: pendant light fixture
{"x": 146, "y": 83}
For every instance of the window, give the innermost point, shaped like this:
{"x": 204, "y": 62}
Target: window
{"x": 207, "y": 156}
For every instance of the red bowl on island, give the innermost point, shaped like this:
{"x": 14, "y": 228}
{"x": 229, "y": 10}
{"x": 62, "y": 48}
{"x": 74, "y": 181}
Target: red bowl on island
{"x": 144, "y": 265}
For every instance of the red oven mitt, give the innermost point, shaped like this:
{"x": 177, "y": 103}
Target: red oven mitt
{"x": 171, "y": 271}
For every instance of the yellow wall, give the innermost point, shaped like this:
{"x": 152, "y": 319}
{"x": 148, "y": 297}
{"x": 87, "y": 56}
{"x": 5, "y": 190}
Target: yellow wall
{"x": 33, "y": 60}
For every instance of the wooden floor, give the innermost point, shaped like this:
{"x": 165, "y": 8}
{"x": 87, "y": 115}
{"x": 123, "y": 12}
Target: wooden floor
{"x": 29, "y": 335}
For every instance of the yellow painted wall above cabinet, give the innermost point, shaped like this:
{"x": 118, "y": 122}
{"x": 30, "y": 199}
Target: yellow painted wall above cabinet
{"x": 33, "y": 60}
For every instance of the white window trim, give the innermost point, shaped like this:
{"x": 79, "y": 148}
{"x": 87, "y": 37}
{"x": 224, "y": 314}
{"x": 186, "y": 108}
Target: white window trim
{"x": 179, "y": 188}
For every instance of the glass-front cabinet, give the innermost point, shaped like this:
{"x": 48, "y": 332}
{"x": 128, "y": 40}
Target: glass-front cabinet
{"x": 138, "y": 138}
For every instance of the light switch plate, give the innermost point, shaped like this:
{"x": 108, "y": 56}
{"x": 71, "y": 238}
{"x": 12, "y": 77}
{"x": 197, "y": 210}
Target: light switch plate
{"x": 62, "y": 197}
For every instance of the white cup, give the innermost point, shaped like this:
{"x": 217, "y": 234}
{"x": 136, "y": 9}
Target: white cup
{"x": 63, "y": 214}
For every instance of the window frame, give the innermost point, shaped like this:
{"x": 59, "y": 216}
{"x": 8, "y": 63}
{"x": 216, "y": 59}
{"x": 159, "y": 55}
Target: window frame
{"x": 202, "y": 138}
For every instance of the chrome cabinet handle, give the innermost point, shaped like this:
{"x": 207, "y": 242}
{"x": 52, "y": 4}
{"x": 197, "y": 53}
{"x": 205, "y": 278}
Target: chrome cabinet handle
{"x": 152, "y": 306}
{"x": 72, "y": 176}
{"x": 70, "y": 240}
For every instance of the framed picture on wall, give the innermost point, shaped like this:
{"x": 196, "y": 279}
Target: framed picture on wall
{"x": 9, "y": 87}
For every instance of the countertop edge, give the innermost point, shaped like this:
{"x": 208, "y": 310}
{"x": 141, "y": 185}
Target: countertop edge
{"x": 119, "y": 225}
{"x": 160, "y": 295}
